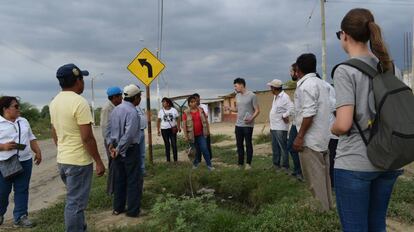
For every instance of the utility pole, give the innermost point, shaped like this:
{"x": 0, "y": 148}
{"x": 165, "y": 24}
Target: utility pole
{"x": 323, "y": 40}
{"x": 412, "y": 57}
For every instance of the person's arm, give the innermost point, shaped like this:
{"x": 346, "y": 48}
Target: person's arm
{"x": 185, "y": 127}
{"x": 290, "y": 108}
{"x": 306, "y": 124}
{"x": 89, "y": 143}
{"x": 36, "y": 149}
{"x": 344, "y": 119}
{"x": 54, "y": 135}
{"x": 158, "y": 126}
{"x": 256, "y": 110}
{"x": 8, "y": 146}
{"x": 178, "y": 124}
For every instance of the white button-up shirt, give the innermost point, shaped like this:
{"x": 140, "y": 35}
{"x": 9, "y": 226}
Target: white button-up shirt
{"x": 9, "y": 131}
{"x": 312, "y": 99}
{"x": 282, "y": 107}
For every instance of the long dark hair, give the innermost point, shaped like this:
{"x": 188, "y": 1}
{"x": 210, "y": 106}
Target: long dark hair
{"x": 359, "y": 23}
{"x": 5, "y": 102}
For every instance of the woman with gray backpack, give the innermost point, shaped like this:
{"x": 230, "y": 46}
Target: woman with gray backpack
{"x": 365, "y": 169}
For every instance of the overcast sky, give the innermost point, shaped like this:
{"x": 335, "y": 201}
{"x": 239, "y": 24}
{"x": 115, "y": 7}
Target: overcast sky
{"x": 206, "y": 44}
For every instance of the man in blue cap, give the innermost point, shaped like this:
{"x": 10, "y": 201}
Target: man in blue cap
{"x": 114, "y": 99}
{"x": 72, "y": 120}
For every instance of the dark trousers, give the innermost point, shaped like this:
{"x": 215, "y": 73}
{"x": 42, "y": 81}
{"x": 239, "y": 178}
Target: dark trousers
{"x": 198, "y": 152}
{"x": 20, "y": 186}
{"x": 128, "y": 182}
{"x": 333, "y": 143}
{"x": 244, "y": 134}
{"x": 297, "y": 170}
{"x": 170, "y": 139}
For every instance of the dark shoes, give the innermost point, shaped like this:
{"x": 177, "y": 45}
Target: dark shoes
{"x": 24, "y": 222}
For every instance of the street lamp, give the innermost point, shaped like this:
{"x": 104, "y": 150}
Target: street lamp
{"x": 93, "y": 97}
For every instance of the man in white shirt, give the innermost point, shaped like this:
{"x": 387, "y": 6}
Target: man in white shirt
{"x": 312, "y": 109}
{"x": 282, "y": 107}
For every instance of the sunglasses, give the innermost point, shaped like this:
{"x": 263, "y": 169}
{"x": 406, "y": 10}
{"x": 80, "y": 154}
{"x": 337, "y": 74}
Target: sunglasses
{"x": 15, "y": 106}
{"x": 338, "y": 34}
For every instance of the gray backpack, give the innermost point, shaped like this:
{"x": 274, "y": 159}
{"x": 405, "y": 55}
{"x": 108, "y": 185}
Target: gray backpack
{"x": 391, "y": 142}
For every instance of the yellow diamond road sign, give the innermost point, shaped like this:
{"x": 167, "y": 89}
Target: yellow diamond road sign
{"x": 146, "y": 67}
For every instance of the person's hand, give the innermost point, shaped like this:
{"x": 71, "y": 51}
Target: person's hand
{"x": 248, "y": 120}
{"x": 113, "y": 152}
{"x": 38, "y": 158}
{"x": 179, "y": 129}
{"x": 159, "y": 133}
{"x": 286, "y": 120}
{"x": 298, "y": 144}
{"x": 9, "y": 146}
{"x": 100, "y": 168}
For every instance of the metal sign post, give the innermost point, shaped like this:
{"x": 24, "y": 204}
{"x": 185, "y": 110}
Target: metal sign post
{"x": 146, "y": 67}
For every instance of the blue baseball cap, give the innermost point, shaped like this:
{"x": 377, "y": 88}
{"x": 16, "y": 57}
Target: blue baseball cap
{"x": 69, "y": 71}
{"x": 112, "y": 91}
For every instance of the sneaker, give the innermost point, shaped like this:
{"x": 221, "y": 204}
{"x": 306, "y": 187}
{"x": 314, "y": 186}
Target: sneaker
{"x": 248, "y": 167}
{"x": 195, "y": 166}
{"x": 211, "y": 168}
{"x": 286, "y": 170}
{"x": 24, "y": 222}
{"x": 1, "y": 219}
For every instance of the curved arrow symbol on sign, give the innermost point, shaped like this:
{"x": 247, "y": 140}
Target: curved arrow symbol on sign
{"x": 143, "y": 63}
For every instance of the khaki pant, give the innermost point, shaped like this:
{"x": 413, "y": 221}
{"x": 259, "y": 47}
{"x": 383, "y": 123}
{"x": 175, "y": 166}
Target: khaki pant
{"x": 315, "y": 170}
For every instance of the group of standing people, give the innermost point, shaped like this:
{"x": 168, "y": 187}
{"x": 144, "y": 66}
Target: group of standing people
{"x": 194, "y": 125}
{"x": 322, "y": 118}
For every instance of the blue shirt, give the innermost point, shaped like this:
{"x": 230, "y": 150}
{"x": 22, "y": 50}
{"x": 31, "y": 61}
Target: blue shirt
{"x": 124, "y": 127}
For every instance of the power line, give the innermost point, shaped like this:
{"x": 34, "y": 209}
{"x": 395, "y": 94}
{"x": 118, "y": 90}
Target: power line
{"x": 25, "y": 55}
{"x": 311, "y": 14}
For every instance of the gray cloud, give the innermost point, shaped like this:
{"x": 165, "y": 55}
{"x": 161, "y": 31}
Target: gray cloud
{"x": 206, "y": 43}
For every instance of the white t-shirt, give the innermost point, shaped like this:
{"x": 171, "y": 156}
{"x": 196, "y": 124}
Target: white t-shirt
{"x": 205, "y": 108}
{"x": 9, "y": 131}
{"x": 168, "y": 117}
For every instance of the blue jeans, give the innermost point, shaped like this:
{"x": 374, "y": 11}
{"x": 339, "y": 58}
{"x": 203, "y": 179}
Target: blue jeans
{"x": 279, "y": 147}
{"x": 297, "y": 170}
{"x": 128, "y": 182}
{"x": 142, "y": 152}
{"x": 244, "y": 134}
{"x": 200, "y": 142}
{"x": 362, "y": 198}
{"x": 20, "y": 183}
{"x": 78, "y": 181}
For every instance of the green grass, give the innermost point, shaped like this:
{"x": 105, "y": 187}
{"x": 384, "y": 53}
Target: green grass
{"x": 262, "y": 138}
{"x": 402, "y": 201}
{"x": 255, "y": 200}
{"x": 216, "y": 138}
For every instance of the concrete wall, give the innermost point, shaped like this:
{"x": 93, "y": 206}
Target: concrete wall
{"x": 264, "y": 99}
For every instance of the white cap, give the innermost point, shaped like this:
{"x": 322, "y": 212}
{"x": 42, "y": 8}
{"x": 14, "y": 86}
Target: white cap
{"x": 131, "y": 90}
{"x": 275, "y": 83}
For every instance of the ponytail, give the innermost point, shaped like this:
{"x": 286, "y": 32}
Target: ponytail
{"x": 378, "y": 46}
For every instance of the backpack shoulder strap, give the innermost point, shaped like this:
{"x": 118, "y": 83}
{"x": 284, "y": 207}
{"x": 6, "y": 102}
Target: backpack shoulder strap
{"x": 359, "y": 65}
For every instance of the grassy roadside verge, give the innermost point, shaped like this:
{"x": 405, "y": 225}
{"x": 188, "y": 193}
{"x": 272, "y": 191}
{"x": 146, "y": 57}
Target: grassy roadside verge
{"x": 231, "y": 200}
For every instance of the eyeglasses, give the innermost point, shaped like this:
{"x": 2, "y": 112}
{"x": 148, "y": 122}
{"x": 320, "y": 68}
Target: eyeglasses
{"x": 338, "y": 34}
